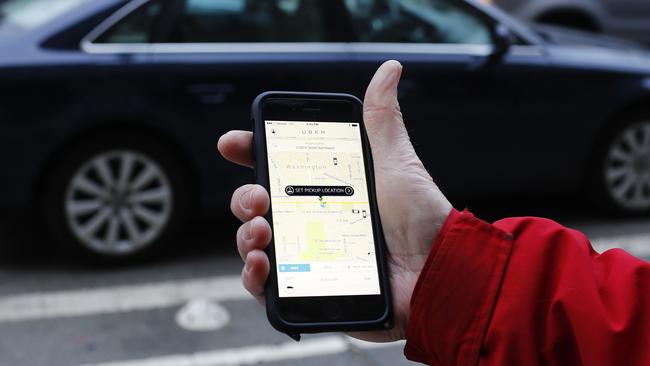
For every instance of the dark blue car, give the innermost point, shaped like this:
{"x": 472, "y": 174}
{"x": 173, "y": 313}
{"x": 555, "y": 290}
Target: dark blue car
{"x": 110, "y": 109}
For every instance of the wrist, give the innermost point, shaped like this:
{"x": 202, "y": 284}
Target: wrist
{"x": 418, "y": 263}
{"x": 424, "y": 234}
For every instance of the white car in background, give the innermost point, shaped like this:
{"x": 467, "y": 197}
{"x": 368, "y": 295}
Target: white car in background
{"x": 622, "y": 18}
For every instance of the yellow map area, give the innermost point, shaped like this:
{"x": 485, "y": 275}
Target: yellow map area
{"x": 317, "y": 246}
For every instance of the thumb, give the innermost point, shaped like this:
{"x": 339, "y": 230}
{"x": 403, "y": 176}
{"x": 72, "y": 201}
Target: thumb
{"x": 382, "y": 116}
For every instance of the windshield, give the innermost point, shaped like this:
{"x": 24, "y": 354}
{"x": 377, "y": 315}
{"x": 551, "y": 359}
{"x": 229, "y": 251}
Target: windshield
{"x": 20, "y": 15}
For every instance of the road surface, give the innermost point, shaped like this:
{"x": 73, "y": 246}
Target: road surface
{"x": 186, "y": 307}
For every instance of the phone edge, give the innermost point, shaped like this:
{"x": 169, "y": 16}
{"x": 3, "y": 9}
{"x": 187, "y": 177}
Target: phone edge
{"x": 385, "y": 321}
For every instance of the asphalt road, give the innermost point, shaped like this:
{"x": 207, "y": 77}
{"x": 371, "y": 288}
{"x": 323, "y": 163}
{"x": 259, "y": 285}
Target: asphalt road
{"x": 186, "y": 307}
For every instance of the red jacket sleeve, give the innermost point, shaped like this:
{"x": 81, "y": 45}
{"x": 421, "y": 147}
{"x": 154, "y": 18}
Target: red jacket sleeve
{"x": 527, "y": 291}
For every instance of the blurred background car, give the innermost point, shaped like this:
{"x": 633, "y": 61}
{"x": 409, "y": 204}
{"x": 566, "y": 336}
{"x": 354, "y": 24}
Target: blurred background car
{"x": 622, "y": 18}
{"x": 110, "y": 109}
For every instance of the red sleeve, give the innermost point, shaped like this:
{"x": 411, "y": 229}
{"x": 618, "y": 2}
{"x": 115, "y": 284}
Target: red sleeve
{"x": 527, "y": 291}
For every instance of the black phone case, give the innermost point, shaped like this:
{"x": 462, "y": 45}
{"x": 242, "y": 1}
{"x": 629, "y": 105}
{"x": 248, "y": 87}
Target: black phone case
{"x": 294, "y": 330}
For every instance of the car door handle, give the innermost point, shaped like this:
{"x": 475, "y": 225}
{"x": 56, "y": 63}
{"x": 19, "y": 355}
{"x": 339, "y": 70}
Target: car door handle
{"x": 211, "y": 93}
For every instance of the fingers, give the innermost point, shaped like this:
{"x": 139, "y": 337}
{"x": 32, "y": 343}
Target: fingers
{"x": 253, "y": 235}
{"x": 248, "y": 204}
{"x": 255, "y": 273}
{"x": 237, "y": 146}
{"x": 249, "y": 201}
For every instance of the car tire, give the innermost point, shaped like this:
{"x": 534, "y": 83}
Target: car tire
{"x": 620, "y": 172}
{"x": 116, "y": 197}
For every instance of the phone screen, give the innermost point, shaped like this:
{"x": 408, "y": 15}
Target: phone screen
{"x": 322, "y": 226}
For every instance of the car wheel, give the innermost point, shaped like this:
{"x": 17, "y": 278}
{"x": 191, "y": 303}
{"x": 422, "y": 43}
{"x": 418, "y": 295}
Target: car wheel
{"x": 622, "y": 169}
{"x": 116, "y": 198}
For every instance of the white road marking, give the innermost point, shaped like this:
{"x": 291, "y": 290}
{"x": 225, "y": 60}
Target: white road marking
{"x": 371, "y": 345}
{"x": 322, "y": 346}
{"x": 116, "y": 299}
{"x": 108, "y": 300}
{"x": 202, "y": 315}
{"x": 637, "y": 245}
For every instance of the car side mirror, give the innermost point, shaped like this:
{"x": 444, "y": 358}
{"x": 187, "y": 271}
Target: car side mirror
{"x": 503, "y": 40}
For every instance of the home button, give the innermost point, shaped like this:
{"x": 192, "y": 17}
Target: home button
{"x": 332, "y": 311}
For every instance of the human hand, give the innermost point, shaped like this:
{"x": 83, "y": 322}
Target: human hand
{"x": 411, "y": 215}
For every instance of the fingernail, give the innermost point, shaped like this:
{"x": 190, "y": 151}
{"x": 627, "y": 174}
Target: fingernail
{"x": 398, "y": 69}
{"x": 247, "y": 266}
{"x": 246, "y": 200}
{"x": 397, "y": 66}
{"x": 392, "y": 76}
{"x": 251, "y": 227}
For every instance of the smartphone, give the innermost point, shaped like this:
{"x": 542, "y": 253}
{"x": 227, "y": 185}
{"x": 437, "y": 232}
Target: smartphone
{"x": 327, "y": 255}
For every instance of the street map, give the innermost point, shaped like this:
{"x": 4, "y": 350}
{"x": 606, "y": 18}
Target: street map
{"x": 322, "y": 226}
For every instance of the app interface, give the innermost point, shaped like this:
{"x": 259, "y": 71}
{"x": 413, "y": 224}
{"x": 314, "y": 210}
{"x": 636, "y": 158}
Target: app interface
{"x": 322, "y": 229}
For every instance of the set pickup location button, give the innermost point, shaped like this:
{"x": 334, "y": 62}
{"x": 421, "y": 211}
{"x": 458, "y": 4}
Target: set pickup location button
{"x": 319, "y": 191}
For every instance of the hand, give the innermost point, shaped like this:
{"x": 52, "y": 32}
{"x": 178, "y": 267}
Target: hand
{"x": 411, "y": 206}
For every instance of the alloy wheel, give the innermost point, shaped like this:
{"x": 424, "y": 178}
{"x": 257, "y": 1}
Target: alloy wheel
{"x": 118, "y": 202}
{"x": 627, "y": 168}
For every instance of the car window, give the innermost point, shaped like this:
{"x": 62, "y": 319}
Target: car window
{"x": 249, "y": 21}
{"x": 28, "y": 14}
{"x": 137, "y": 27}
{"x": 417, "y": 21}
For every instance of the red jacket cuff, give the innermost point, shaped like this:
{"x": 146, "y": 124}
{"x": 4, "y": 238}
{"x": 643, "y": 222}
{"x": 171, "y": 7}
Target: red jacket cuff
{"x": 456, "y": 292}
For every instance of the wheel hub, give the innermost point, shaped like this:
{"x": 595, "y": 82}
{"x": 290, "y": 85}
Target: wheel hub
{"x": 118, "y": 202}
{"x": 627, "y": 168}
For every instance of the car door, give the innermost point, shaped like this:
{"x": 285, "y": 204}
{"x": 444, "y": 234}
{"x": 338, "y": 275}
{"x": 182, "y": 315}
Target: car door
{"x": 210, "y": 58}
{"x": 468, "y": 112}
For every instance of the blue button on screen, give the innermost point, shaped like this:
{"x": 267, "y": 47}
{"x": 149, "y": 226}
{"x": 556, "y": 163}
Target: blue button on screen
{"x": 295, "y": 268}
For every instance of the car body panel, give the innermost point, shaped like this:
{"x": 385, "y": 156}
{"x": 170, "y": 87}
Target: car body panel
{"x": 483, "y": 125}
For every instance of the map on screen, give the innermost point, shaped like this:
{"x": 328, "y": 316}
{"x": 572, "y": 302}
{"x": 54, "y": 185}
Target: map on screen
{"x": 322, "y": 226}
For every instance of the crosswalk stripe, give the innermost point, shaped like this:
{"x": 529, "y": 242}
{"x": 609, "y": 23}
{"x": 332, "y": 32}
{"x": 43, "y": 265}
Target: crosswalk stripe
{"x": 321, "y": 346}
{"x": 107, "y": 300}
{"x": 115, "y": 299}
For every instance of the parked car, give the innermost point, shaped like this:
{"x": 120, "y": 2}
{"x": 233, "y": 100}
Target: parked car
{"x": 110, "y": 109}
{"x": 621, "y": 18}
